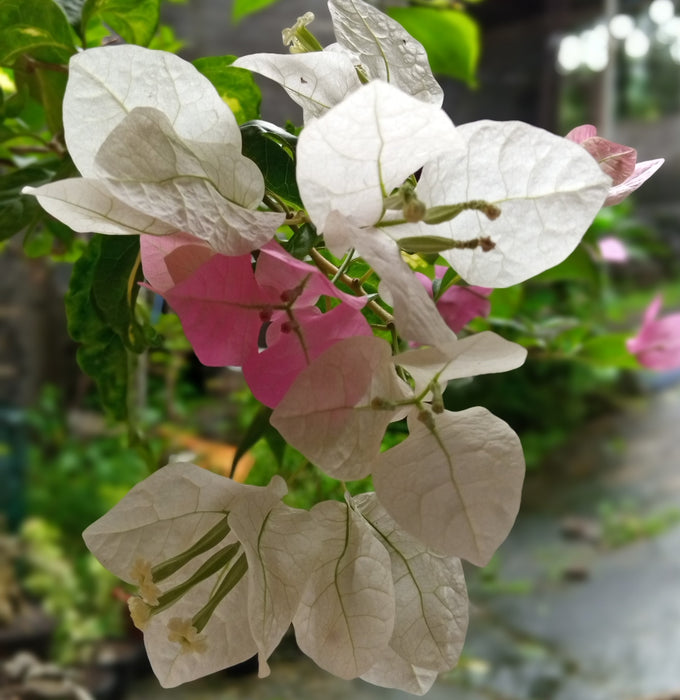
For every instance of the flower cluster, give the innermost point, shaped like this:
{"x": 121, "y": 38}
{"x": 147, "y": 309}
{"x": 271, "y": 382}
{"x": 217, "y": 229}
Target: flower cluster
{"x": 373, "y": 586}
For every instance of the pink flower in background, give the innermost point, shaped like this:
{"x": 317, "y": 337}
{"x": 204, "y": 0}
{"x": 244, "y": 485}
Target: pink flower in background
{"x": 458, "y": 305}
{"x": 657, "y": 345}
{"x": 613, "y": 250}
{"x": 618, "y": 161}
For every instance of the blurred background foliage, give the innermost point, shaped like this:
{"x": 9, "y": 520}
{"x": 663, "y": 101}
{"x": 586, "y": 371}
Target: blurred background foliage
{"x": 74, "y": 443}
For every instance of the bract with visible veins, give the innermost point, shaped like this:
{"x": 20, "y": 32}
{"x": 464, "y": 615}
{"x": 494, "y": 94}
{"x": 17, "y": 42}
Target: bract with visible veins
{"x": 220, "y": 296}
{"x": 481, "y": 353}
{"x": 546, "y": 190}
{"x": 271, "y": 372}
{"x": 431, "y": 606}
{"x": 216, "y": 294}
{"x": 347, "y": 610}
{"x": 168, "y": 260}
{"x": 618, "y": 161}
{"x": 350, "y": 159}
{"x": 119, "y": 78}
{"x": 415, "y": 315}
{"x": 456, "y": 486}
{"x": 328, "y": 413}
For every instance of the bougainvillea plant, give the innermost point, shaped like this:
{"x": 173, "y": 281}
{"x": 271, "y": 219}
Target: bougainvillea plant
{"x": 308, "y": 285}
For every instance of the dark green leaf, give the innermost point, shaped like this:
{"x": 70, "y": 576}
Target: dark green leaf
{"x": 14, "y": 105}
{"x": 440, "y": 285}
{"x": 17, "y": 211}
{"x": 234, "y": 85}
{"x": 257, "y": 428}
{"x": 102, "y": 355}
{"x": 302, "y": 241}
{"x": 38, "y": 28}
{"x": 101, "y": 315}
{"x": 46, "y": 86}
{"x": 116, "y": 286}
{"x": 133, "y": 20}
{"x": 450, "y": 37}
{"x": 243, "y": 8}
{"x": 104, "y": 359}
{"x": 273, "y": 151}
{"x": 507, "y": 302}
{"x": 73, "y": 9}
{"x": 276, "y": 444}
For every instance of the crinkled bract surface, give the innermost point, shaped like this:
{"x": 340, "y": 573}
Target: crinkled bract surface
{"x": 368, "y": 43}
{"x": 432, "y": 605}
{"x": 160, "y": 155}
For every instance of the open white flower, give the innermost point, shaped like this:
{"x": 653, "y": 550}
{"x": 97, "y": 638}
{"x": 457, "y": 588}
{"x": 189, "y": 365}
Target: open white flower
{"x": 227, "y": 563}
{"x": 370, "y": 46}
{"x": 502, "y": 201}
{"x": 161, "y": 153}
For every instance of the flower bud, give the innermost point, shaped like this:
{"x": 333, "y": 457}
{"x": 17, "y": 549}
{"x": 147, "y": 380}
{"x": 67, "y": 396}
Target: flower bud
{"x": 299, "y": 38}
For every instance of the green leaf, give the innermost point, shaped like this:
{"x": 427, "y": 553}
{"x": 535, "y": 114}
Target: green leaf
{"x": 257, "y": 429}
{"x": 440, "y": 285}
{"x": 578, "y": 266}
{"x": 273, "y": 151}
{"x": 234, "y": 85}
{"x": 100, "y": 311}
{"x": 450, "y": 37}
{"x": 609, "y": 351}
{"x": 102, "y": 355}
{"x": 35, "y": 27}
{"x": 73, "y": 9}
{"x": 507, "y": 302}
{"x": 18, "y": 211}
{"x": 243, "y": 8}
{"x": 134, "y": 20}
{"x": 302, "y": 241}
{"x": 115, "y": 288}
{"x": 47, "y": 87}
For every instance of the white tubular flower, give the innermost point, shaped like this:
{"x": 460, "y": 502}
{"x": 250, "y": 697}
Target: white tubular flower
{"x": 184, "y": 633}
{"x": 370, "y": 46}
{"x": 142, "y": 575}
{"x": 159, "y": 152}
{"x": 140, "y": 612}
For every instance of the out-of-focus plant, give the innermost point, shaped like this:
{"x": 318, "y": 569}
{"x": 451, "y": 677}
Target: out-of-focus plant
{"x": 73, "y": 588}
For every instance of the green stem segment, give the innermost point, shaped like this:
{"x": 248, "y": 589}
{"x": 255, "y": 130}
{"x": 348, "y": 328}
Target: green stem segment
{"x": 213, "y": 537}
{"x": 211, "y": 566}
{"x": 233, "y": 576}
